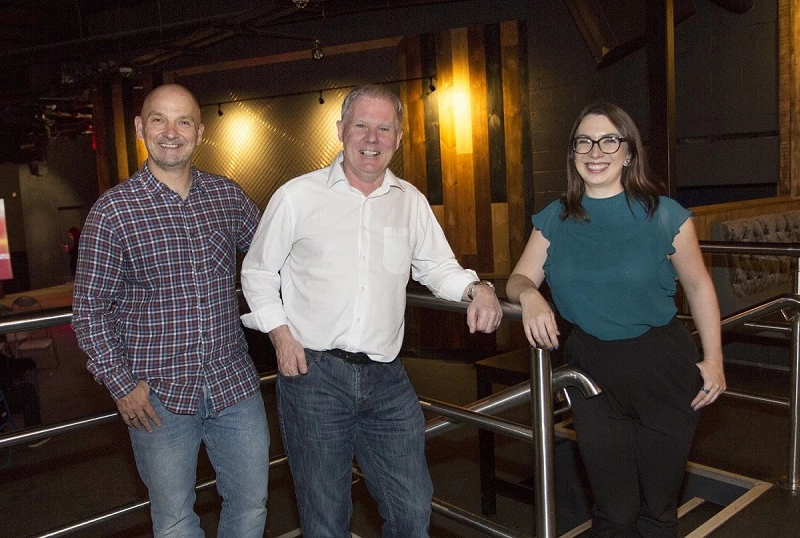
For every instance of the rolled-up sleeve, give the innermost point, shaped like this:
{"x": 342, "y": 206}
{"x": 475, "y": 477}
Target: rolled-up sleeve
{"x": 269, "y": 250}
{"x": 433, "y": 264}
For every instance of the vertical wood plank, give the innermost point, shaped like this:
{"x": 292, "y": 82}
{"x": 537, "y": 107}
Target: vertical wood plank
{"x": 464, "y": 182}
{"x": 480, "y": 152}
{"x": 789, "y": 97}
{"x": 509, "y": 39}
{"x": 120, "y": 142}
{"x": 500, "y": 244}
{"x": 447, "y": 140}
{"x": 414, "y": 122}
{"x": 433, "y": 157}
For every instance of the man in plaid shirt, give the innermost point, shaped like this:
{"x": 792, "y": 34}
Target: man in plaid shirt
{"x": 155, "y": 310}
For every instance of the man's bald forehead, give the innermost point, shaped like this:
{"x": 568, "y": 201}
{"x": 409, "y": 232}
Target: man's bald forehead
{"x": 167, "y": 89}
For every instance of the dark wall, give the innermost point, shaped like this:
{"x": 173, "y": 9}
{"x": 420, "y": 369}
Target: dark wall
{"x": 56, "y": 196}
{"x": 726, "y": 98}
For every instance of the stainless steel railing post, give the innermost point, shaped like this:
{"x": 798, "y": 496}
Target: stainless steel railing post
{"x": 792, "y": 480}
{"x": 542, "y": 423}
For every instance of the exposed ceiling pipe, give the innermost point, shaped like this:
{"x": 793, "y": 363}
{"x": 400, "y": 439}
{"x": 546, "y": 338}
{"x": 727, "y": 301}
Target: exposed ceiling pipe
{"x": 739, "y": 7}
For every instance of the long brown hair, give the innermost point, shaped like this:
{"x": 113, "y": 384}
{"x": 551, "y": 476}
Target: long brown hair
{"x": 635, "y": 180}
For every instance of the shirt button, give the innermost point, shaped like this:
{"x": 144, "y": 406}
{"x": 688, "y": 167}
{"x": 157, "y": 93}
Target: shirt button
{"x": 358, "y": 320}
{"x": 362, "y": 288}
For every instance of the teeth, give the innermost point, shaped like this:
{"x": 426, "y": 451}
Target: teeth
{"x": 370, "y": 153}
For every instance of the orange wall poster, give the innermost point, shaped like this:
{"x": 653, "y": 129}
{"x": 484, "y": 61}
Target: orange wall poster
{"x": 5, "y": 256}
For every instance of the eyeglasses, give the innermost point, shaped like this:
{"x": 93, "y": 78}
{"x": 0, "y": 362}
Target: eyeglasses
{"x": 608, "y": 144}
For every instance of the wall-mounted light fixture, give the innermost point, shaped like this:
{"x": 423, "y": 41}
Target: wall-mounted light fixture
{"x": 316, "y": 52}
{"x": 219, "y": 110}
{"x": 432, "y": 87}
{"x": 321, "y": 100}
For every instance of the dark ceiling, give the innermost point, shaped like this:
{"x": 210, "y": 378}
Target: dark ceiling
{"x": 53, "y": 51}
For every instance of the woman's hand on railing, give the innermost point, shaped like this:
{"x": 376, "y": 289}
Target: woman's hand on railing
{"x": 538, "y": 320}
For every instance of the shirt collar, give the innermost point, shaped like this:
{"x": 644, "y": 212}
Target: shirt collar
{"x": 154, "y": 185}
{"x": 336, "y": 174}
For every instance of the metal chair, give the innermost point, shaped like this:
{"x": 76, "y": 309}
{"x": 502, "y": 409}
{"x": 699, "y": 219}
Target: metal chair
{"x": 34, "y": 342}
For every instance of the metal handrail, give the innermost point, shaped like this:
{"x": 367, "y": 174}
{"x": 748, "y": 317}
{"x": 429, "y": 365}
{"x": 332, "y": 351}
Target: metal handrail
{"x": 544, "y": 382}
{"x": 540, "y": 389}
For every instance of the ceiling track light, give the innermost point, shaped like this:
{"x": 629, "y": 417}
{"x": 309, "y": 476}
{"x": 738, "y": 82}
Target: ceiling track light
{"x": 219, "y": 110}
{"x": 316, "y": 52}
{"x": 321, "y": 100}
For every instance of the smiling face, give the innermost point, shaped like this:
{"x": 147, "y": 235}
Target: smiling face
{"x": 601, "y": 172}
{"x": 170, "y": 127}
{"x": 370, "y": 134}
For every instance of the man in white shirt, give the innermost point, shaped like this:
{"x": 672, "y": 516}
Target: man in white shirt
{"x": 326, "y": 278}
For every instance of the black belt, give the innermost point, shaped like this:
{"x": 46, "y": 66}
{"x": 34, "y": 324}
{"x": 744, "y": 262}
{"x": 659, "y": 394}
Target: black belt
{"x": 353, "y": 357}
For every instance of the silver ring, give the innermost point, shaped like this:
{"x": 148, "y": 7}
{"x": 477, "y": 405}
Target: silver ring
{"x": 706, "y": 390}
{"x": 134, "y": 417}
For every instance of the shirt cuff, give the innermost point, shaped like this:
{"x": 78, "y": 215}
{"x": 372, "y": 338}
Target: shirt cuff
{"x": 120, "y": 383}
{"x": 265, "y": 319}
{"x": 453, "y": 287}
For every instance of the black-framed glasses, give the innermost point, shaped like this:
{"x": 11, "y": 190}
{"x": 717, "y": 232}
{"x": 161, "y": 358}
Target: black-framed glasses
{"x": 608, "y": 144}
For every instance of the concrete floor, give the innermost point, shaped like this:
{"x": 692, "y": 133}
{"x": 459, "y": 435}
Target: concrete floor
{"x": 84, "y": 473}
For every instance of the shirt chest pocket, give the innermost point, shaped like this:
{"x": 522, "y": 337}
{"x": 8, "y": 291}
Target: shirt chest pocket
{"x": 219, "y": 253}
{"x": 397, "y": 250}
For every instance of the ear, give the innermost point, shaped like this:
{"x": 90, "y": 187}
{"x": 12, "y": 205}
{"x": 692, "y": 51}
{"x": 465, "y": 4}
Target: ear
{"x": 627, "y": 160}
{"x": 137, "y": 122}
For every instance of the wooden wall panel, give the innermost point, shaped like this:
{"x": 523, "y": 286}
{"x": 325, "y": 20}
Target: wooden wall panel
{"x": 412, "y": 95}
{"x": 120, "y": 139}
{"x": 500, "y": 244}
{"x": 447, "y": 137}
{"x": 473, "y": 142}
{"x": 484, "y": 262}
{"x": 463, "y": 119}
{"x": 509, "y": 38}
{"x": 789, "y": 96}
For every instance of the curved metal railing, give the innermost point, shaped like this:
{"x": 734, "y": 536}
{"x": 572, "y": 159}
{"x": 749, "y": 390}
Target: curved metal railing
{"x": 544, "y": 382}
{"x": 539, "y": 391}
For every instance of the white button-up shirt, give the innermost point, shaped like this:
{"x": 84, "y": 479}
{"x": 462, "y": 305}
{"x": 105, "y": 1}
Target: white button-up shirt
{"x": 333, "y": 264}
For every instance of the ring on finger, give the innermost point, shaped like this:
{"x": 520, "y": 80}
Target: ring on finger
{"x": 706, "y": 390}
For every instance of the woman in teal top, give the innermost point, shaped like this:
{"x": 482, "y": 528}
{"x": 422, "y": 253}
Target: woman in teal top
{"x": 611, "y": 250}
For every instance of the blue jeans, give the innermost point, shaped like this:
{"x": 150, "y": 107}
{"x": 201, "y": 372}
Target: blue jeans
{"x": 338, "y": 409}
{"x": 237, "y": 443}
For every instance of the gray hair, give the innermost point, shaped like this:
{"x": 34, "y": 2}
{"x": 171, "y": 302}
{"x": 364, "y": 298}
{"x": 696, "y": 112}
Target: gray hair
{"x": 373, "y": 91}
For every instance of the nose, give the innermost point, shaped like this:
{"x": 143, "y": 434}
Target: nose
{"x": 595, "y": 152}
{"x": 170, "y": 130}
{"x": 372, "y": 134}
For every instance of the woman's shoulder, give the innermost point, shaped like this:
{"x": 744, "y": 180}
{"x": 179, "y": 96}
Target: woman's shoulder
{"x": 551, "y": 214}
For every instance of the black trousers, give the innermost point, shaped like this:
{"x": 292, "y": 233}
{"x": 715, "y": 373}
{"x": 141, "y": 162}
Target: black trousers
{"x": 634, "y": 438}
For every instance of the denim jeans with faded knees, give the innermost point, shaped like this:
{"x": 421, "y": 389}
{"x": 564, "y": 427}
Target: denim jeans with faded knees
{"x": 338, "y": 409}
{"x": 237, "y": 443}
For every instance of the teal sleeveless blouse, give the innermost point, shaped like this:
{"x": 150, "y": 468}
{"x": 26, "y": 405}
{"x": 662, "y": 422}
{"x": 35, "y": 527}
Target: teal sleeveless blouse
{"x": 612, "y": 276}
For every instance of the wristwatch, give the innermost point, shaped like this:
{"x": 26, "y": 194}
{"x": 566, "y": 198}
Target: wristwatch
{"x": 471, "y": 288}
